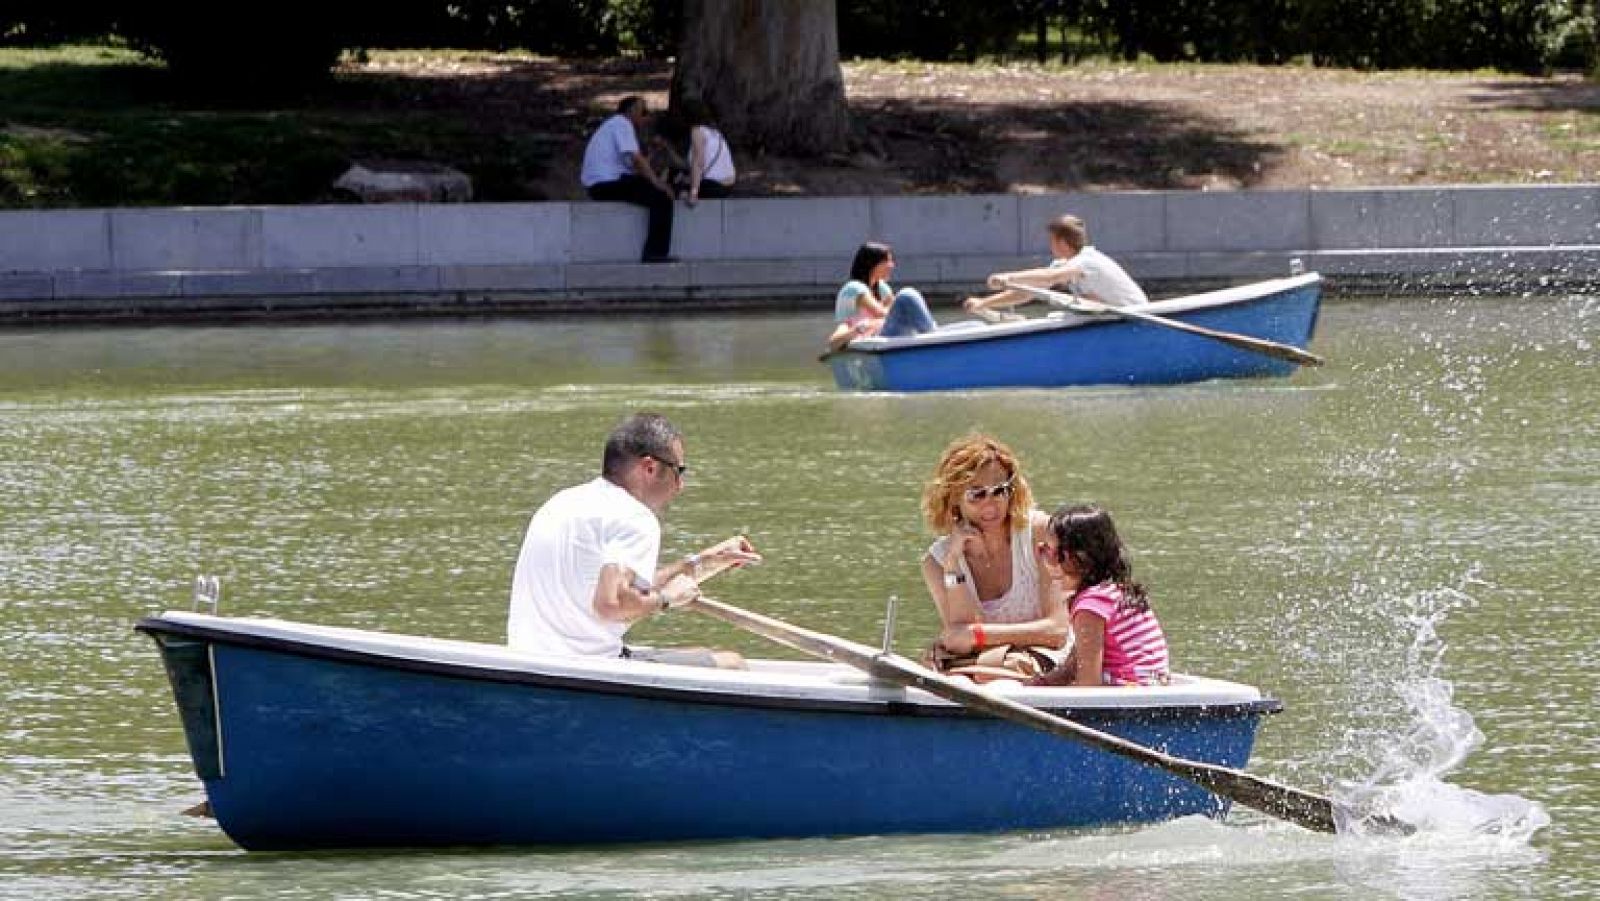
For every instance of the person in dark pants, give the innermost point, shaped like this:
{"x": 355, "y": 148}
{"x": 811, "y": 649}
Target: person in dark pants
{"x": 615, "y": 170}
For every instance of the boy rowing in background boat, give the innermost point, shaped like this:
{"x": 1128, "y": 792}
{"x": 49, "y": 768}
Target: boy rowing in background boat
{"x": 1077, "y": 266}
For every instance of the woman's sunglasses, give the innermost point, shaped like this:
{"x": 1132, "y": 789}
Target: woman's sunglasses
{"x": 983, "y": 492}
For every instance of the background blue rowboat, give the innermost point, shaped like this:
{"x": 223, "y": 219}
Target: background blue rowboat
{"x": 1065, "y": 349}
{"x": 316, "y": 737}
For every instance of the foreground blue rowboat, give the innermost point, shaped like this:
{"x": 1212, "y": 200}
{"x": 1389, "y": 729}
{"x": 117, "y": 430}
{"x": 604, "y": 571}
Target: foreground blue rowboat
{"x": 1064, "y": 349}
{"x": 315, "y": 737}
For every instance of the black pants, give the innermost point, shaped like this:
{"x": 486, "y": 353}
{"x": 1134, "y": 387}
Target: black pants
{"x": 710, "y": 189}
{"x": 635, "y": 190}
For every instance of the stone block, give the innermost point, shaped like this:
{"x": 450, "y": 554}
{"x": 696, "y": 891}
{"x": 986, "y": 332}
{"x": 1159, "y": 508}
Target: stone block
{"x": 377, "y": 280}
{"x": 313, "y": 237}
{"x": 1344, "y": 219}
{"x": 910, "y": 270}
{"x": 1238, "y": 220}
{"x": 1526, "y": 215}
{"x": 167, "y": 240}
{"x": 118, "y": 284}
{"x": 697, "y": 231}
{"x": 608, "y": 232}
{"x": 26, "y": 286}
{"x": 973, "y": 270}
{"x": 404, "y": 181}
{"x": 639, "y": 276}
{"x": 950, "y": 224}
{"x": 735, "y": 273}
{"x": 249, "y": 283}
{"x": 50, "y": 240}
{"x": 815, "y": 227}
{"x": 1259, "y": 265}
{"x": 493, "y": 234}
{"x": 1414, "y": 217}
{"x": 548, "y": 277}
{"x": 1118, "y": 222}
{"x": 1155, "y": 266}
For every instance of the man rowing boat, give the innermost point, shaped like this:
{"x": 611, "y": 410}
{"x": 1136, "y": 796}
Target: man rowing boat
{"x": 588, "y": 566}
{"x": 1077, "y": 265}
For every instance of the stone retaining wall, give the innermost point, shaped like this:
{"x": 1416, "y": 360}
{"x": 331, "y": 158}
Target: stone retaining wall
{"x": 772, "y": 252}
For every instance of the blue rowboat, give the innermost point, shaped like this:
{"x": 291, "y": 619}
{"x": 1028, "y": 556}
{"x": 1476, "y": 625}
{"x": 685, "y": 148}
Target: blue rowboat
{"x": 1066, "y": 348}
{"x": 310, "y": 737}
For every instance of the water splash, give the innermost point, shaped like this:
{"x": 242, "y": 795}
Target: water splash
{"x": 1407, "y": 791}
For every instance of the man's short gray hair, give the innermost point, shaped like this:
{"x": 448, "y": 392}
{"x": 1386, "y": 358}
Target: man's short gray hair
{"x": 640, "y": 435}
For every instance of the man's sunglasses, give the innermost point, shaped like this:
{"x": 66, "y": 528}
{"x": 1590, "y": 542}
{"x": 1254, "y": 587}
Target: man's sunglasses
{"x": 679, "y": 468}
{"x": 983, "y": 492}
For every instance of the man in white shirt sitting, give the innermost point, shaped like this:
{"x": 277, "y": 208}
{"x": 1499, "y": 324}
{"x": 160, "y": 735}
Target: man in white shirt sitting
{"x": 1077, "y": 266}
{"x": 614, "y": 169}
{"x": 588, "y": 567}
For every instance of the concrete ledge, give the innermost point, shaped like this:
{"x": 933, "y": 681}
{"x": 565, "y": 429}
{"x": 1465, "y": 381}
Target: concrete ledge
{"x": 772, "y": 252}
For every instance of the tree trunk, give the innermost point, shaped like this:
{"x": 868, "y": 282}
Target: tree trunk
{"x": 769, "y": 70}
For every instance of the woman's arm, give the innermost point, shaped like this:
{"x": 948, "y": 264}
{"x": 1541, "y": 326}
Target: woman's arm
{"x": 697, "y": 162}
{"x": 1048, "y": 631}
{"x": 872, "y": 306}
{"x": 957, "y": 604}
{"x": 1055, "y": 621}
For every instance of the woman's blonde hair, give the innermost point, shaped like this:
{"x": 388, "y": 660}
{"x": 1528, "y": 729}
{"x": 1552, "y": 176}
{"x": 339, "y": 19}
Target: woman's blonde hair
{"x": 941, "y": 499}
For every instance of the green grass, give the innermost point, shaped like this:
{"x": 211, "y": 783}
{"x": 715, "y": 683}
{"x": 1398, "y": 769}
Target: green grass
{"x": 99, "y": 126}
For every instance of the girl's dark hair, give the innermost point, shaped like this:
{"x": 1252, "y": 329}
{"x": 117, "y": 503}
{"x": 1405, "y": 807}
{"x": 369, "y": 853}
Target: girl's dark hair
{"x": 1088, "y": 535}
{"x": 868, "y": 256}
{"x": 694, "y": 111}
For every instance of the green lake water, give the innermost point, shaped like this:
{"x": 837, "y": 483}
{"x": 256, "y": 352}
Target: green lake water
{"x": 1401, "y": 547}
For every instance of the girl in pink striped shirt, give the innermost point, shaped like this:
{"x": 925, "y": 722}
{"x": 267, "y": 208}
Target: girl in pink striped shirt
{"x": 1116, "y": 637}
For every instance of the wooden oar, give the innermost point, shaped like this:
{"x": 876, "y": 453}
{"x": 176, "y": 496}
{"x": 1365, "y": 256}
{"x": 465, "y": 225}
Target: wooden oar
{"x": 1302, "y": 808}
{"x": 1244, "y": 342}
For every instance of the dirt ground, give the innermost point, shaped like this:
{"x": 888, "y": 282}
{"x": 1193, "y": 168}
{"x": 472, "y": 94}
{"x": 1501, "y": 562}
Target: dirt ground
{"x": 936, "y": 128}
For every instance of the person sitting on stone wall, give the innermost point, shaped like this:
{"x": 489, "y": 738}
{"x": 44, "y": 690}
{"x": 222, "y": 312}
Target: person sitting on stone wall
{"x": 615, "y": 170}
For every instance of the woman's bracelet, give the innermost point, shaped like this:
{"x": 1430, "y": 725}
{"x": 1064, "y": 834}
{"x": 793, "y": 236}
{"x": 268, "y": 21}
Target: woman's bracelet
{"x": 978, "y": 638}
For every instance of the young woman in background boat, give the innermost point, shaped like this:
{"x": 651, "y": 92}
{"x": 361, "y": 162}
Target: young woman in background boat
{"x": 867, "y": 305}
{"x": 1116, "y": 639}
{"x": 983, "y": 574}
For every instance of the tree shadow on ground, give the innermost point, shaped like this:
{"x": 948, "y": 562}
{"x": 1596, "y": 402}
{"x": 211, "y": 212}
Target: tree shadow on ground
{"x": 1066, "y": 146}
{"x": 1538, "y": 96}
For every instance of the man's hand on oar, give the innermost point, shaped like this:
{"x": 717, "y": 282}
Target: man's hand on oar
{"x": 731, "y": 553}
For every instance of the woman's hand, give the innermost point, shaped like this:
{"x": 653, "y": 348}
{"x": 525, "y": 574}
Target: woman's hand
{"x": 958, "y": 639}
{"x": 964, "y": 537}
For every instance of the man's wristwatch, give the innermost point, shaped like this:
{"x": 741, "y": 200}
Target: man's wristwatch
{"x": 952, "y": 579}
{"x": 693, "y": 562}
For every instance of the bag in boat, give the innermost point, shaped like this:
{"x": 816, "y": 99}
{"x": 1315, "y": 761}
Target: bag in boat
{"x": 1003, "y": 661}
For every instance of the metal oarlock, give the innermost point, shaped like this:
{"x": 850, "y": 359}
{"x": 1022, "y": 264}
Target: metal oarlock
{"x": 207, "y": 592}
{"x": 888, "y": 624}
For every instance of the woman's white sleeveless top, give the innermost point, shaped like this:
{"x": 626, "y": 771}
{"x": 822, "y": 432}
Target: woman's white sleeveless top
{"x": 1020, "y": 603}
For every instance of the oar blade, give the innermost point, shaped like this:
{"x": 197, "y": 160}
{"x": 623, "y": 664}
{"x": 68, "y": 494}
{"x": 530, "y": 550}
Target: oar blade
{"x": 1305, "y": 809}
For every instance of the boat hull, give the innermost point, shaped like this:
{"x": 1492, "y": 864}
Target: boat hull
{"x": 1070, "y": 350}
{"x": 308, "y": 746}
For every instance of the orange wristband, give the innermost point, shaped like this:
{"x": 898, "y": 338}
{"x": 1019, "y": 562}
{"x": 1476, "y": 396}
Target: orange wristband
{"x": 978, "y": 638}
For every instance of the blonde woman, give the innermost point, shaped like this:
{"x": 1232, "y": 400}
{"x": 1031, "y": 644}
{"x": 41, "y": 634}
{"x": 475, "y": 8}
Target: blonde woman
{"x": 982, "y": 573}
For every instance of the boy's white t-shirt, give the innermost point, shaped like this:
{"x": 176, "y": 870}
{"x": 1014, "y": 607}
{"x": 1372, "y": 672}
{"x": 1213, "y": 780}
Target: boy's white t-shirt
{"x": 570, "y": 538}
{"x": 608, "y": 155}
{"x": 1102, "y": 279}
